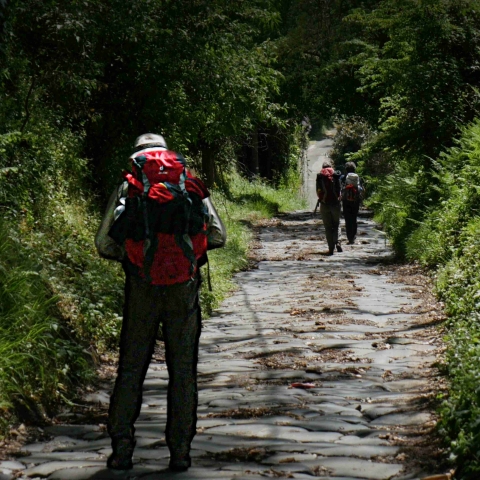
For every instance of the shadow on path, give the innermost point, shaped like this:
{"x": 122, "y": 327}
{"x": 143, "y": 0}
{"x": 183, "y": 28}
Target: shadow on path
{"x": 358, "y": 344}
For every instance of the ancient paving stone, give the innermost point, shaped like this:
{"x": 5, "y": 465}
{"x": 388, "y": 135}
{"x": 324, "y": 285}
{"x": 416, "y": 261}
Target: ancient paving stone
{"x": 224, "y": 443}
{"x": 45, "y": 469}
{"x": 298, "y": 476}
{"x": 405, "y": 385}
{"x": 354, "y": 440}
{"x": 356, "y": 451}
{"x": 37, "y": 458}
{"x": 57, "y": 443}
{"x": 11, "y": 465}
{"x": 71, "y": 430}
{"x": 353, "y": 467}
{"x": 278, "y": 432}
{"x": 289, "y": 458}
{"x": 374, "y": 411}
{"x": 403, "y": 419}
{"x": 333, "y": 322}
{"x": 102, "y": 473}
{"x": 192, "y": 474}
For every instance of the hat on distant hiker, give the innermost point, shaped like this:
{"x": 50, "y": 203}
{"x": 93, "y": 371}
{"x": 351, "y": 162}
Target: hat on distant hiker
{"x": 350, "y": 167}
{"x": 149, "y": 140}
{"x": 327, "y": 164}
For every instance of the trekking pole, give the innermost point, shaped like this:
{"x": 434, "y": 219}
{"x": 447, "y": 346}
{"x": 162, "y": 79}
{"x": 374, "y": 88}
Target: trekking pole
{"x": 316, "y": 206}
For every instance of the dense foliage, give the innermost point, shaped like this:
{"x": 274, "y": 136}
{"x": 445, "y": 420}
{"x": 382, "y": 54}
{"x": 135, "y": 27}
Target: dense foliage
{"x": 79, "y": 81}
{"x": 401, "y": 79}
{"x": 197, "y": 71}
{"x": 227, "y": 81}
{"x": 448, "y": 241}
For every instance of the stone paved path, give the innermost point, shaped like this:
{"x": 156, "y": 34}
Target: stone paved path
{"x": 317, "y": 153}
{"x": 340, "y": 323}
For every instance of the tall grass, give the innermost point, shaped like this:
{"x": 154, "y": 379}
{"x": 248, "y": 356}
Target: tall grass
{"x": 39, "y": 362}
{"x": 58, "y": 301}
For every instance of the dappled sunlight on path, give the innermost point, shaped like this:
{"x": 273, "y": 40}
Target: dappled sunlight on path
{"x": 344, "y": 327}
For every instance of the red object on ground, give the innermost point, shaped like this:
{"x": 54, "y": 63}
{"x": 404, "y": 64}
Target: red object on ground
{"x": 303, "y": 385}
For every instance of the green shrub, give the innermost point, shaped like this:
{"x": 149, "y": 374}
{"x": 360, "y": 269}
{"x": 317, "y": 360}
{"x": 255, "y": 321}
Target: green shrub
{"x": 458, "y": 285}
{"x": 58, "y": 301}
{"x": 399, "y": 201}
{"x": 351, "y": 134}
{"x": 89, "y": 289}
{"x": 448, "y": 225}
{"x": 448, "y": 241}
{"x": 40, "y": 360}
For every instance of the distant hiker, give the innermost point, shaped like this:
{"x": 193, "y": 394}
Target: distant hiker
{"x": 328, "y": 192}
{"x": 159, "y": 223}
{"x": 352, "y": 194}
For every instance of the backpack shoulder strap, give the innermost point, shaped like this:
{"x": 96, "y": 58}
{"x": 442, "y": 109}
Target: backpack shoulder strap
{"x": 324, "y": 188}
{"x": 138, "y": 163}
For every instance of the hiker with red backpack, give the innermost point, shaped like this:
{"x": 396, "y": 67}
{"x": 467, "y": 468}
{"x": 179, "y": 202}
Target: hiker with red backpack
{"x": 352, "y": 194}
{"x": 159, "y": 223}
{"x": 329, "y": 194}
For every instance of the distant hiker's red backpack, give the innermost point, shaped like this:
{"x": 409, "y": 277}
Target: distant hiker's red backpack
{"x": 163, "y": 227}
{"x": 351, "y": 188}
{"x": 328, "y": 186}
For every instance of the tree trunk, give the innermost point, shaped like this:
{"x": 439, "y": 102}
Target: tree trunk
{"x": 255, "y": 165}
{"x": 208, "y": 164}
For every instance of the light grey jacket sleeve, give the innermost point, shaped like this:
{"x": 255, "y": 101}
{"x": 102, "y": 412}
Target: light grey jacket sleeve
{"x": 216, "y": 232}
{"x": 106, "y": 246}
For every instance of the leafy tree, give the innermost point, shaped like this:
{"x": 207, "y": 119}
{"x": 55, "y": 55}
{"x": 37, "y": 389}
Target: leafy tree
{"x": 424, "y": 75}
{"x": 318, "y": 58}
{"x": 198, "y": 71}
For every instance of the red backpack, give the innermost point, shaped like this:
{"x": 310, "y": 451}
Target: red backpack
{"x": 350, "y": 193}
{"x": 351, "y": 188}
{"x": 163, "y": 227}
{"x": 328, "y": 186}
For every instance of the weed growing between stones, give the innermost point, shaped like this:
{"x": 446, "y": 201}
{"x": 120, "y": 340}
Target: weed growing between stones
{"x": 241, "y": 455}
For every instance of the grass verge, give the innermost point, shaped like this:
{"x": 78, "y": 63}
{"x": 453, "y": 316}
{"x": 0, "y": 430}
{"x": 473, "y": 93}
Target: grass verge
{"x": 446, "y": 240}
{"x": 40, "y": 360}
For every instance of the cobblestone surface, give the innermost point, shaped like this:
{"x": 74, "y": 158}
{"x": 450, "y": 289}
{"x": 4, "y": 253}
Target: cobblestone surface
{"x": 317, "y": 366}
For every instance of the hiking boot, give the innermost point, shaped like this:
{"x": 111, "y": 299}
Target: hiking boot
{"x": 339, "y": 248}
{"x": 122, "y": 453}
{"x": 180, "y": 463}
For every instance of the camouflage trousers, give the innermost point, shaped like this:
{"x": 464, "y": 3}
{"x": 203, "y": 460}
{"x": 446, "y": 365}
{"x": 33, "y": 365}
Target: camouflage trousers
{"x": 176, "y": 309}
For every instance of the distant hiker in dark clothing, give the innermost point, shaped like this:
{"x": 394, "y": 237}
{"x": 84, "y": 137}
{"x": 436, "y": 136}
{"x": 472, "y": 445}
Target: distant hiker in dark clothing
{"x": 352, "y": 194}
{"x": 159, "y": 223}
{"x": 329, "y": 191}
